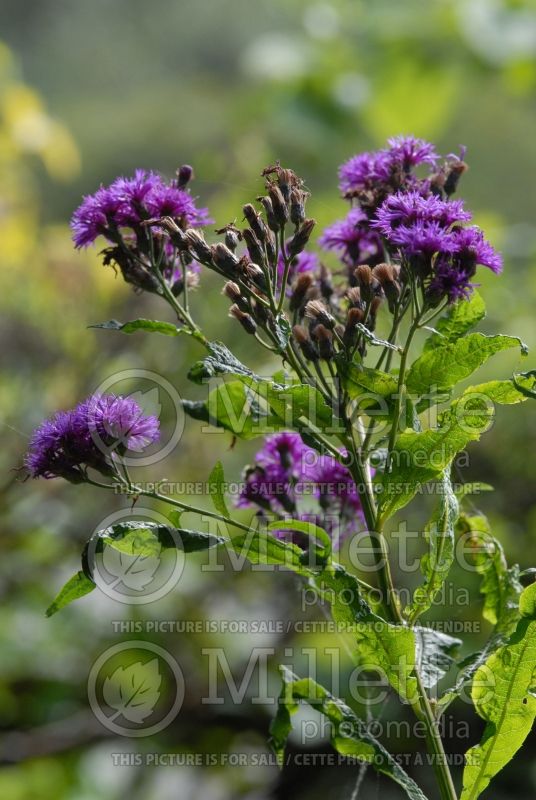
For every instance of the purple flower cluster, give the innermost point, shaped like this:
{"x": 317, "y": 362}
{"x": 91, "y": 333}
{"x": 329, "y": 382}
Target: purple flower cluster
{"x": 428, "y": 232}
{"x": 410, "y": 219}
{"x": 353, "y": 240}
{"x": 89, "y": 436}
{"x": 129, "y": 201}
{"x": 382, "y": 168}
{"x": 287, "y": 473}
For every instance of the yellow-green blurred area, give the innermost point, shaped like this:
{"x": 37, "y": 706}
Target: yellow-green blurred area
{"x": 91, "y": 90}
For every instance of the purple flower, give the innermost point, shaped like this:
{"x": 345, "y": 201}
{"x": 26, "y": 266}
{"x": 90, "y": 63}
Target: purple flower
{"x": 449, "y": 282}
{"x": 128, "y": 201}
{"x": 408, "y": 152}
{"x": 86, "y": 436}
{"x": 473, "y": 249}
{"x": 166, "y": 200}
{"x": 423, "y": 239}
{"x": 132, "y": 194}
{"x": 58, "y": 447}
{"x": 352, "y": 239}
{"x": 96, "y": 216}
{"x": 377, "y": 170}
{"x": 337, "y": 495}
{"x": 282, "y": 462}
{"x": 406, "y": 208}
{"x": 363, "y": 171}
{"x": 118, "y": 422}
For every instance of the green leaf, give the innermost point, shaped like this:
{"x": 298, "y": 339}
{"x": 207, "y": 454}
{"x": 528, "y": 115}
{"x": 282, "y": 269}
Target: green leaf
{"x": 234, "y": 406}
{"x": 349, "y": 734}
{"x": 282, "y": 330}
{"x": 500, "y": 584}
{"x": 140, "y": 538}
{"x": 378, "y": 644}
{"x": 220, "y": 361}
{"x": 460, "y": 318}
{"x": 504, "y": 696}
{"x": 76, "y": 587}
{"x": 368, "y": 385}
{"x": 217, "y": 482}
{"x": 435, "y": 653}
{"x": 436, "y": 563}
{"x": 148, "y": 325}
{"x": 437, "y": 371}
{"x": 419, "y": 457}
{"x": 298, "y": 401}
{"x": 309, "y": 528}
{"x": 259, "y": 547}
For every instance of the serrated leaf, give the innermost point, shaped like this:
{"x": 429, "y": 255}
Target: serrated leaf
{"x": 500, "y": 584}
{"x": 139, "y": 538}
{"x": 298, "y": 400}
{"x": 367, "y": 385}
{"x": 133, "y": 691}
{"x": 419, "y": 457}
{"x": 377, "y": 643}
{"x": 503, "y": 695}
{"x": 76, "y": 587}
{"x": 460, "y": 318}
{"x": 217, "y": 489}
{"x": 438, "y": 370}
{"x": 349, "y": 734}
{"x": 435, "y": 653}
{"x": 148, "y": 325}
{"x": 234, "y": 406}
{"x": 220, "y": 361}
{"x": 436, "y": 563}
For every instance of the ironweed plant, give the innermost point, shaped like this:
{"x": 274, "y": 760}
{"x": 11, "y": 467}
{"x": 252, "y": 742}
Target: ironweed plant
{"x": 353, "y": 426}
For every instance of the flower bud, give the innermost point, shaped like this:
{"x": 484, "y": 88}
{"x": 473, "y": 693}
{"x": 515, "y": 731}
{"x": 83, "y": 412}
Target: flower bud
{"x": 232, "y": 291}
{"x": 198, "y": 245}
{"x": 273, "y": 224}
{"x": 324, "y": 340}
{"x": 297, "y": 206}
{"x": 224, "y": 258}
{"x": 307, "y": 347}
{"x": 255, "y": 249}
{"x": 246, "y": 320}
{"x": 366, "y": 282}
{"x": 232, "y": 239}
{"x": 279, "y": 205}
{"x": 255, "y": 222}
{"x": 300, "y": 238}
{"x": 300, "y": 288}
{"x": 349, "y": 336}
{"x": 184, "y": 175}
{"x": 385, "y": 274}
{"x": 315, "y": 310}
{"x": 354, "y": 297}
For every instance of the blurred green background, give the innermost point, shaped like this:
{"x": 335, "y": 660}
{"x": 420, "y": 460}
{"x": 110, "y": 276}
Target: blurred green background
{"x": 90, "y": 90}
